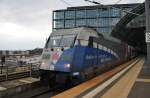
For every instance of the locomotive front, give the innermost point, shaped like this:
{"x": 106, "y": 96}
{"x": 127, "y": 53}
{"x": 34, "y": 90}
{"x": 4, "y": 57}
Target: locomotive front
{"x": 57, "y": 54}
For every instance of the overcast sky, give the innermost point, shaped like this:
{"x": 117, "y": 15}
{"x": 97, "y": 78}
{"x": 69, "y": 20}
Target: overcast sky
{"x": 25, "y": 24}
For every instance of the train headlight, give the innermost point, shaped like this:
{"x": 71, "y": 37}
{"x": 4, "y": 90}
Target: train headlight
{"x": 43, "y": 65}
{"x": 67, "y": 65}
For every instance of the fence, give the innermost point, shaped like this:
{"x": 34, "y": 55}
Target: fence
{"x": 13, "y": 72}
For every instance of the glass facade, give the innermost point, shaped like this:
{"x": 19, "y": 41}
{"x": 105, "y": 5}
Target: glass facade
{"x": 104, "y": 12}
{"x": 91, "y": 13}
{"x": 59, "y": 15}
{"x": 69, "y": 23}
{"x": 102, "y": 18}
{"x": 80, "y": 22}
{"x": 81, "y": 14}
{"x": 69, "y": 14}
{"x": 92, "y": 22}
{"x": 59, "y": 24}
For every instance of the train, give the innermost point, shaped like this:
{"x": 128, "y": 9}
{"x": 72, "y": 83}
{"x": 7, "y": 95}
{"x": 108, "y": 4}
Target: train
{"x": 79, "y": 54}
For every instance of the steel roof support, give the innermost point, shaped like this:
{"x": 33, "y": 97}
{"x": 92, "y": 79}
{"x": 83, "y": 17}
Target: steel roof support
{"x": 147, "y": 12}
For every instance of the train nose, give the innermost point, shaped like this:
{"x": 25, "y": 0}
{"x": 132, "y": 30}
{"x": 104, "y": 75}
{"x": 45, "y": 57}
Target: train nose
{"x": 44, "y": 65}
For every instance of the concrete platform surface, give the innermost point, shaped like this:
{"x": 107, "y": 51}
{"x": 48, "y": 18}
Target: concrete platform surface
{"x": 141, "y": 87}
{"x": 123, "y": 86}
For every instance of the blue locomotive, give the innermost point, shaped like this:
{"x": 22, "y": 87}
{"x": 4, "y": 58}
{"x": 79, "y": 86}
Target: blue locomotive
{"x": 78, "y": 54}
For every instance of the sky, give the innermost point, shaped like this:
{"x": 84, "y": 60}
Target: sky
{"x": 26, "y": 24}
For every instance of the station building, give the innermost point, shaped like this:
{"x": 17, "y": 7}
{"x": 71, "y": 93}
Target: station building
{"x": 100, "y": 17}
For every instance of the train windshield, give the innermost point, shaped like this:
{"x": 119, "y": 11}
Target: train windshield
{"x": 67, "y": 40}
{"x": 61, "y": 41}
{"x": 54, "y": 41}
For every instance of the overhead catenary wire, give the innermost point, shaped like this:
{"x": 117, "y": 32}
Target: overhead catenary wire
{"x": 110, "y": 6}
{"x": 118, "y": 1}
{"x": 66, "y": 2}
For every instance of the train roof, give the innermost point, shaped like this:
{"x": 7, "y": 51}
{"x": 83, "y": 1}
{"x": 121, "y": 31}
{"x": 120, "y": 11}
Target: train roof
{"x": 81, "y": 32}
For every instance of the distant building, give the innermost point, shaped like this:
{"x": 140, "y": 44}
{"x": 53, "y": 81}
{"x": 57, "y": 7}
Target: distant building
{"x": 13, "y": 53}
{"x": 101, "y": 18}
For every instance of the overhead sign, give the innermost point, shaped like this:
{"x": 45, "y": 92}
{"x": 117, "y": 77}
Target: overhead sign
{"x": 147, "y": 37}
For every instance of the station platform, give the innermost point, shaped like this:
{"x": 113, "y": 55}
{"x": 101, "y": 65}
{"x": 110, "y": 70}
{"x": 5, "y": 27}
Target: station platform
{"x": 13, "y": 87}
{"x": 130, "y": 80}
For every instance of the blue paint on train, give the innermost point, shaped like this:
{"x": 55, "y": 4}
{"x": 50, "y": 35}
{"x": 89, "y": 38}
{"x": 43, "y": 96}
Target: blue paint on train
{"x": 66, "y": 58}
{"x": 82, "y": 57}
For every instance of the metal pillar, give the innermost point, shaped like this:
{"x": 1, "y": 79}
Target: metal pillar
{"x": 147, "y": 12}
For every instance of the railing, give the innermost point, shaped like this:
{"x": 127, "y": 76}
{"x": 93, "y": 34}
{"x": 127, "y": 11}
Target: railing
{"x": 14, "y": 72}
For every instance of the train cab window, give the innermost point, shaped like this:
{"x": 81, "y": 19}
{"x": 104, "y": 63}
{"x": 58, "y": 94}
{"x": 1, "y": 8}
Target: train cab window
{"x": 108, "y": 50}
{"x": 84, "y": 42}
{"x": 94, "y": 45}
{"x": 100, "y": 46}
{"x": 105, "y": 48}
{"x": 90, "y": 43}
{"x": 54, "y": 41}
{"x": 111, "y": 51}
{"x": 77, "y": 42}
{"x": 67, "y": 40}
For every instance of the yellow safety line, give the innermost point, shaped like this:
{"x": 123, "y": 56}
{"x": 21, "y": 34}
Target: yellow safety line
{"x": 122, "y": 88}
{"x": 2, "y": 88}
{"x": 143, "y": 80}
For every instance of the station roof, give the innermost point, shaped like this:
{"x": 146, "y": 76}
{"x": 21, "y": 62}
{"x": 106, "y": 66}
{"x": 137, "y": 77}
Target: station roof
{"x": 133, "y": 36}
{"x": 132, "y": 5}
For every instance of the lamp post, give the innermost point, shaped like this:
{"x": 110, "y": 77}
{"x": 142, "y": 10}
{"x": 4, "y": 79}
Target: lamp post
{"x": 147, "y": 13}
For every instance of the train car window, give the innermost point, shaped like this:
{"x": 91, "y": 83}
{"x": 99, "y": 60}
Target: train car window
{"x": 77, "y": 42}
{"x": 100, "y": 46}
{"x": 54, "y": 41}
{"x": 84, "y": 42}
{"x": 111, "y": 52}
{"x": 105, "y": 49}
{"x": 67, "y": 40}
{"x": 90, "y": 43}
{"x": 94, "y": 45}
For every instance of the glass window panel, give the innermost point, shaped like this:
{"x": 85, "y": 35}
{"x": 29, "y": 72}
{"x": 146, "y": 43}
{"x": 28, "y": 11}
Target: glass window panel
{"x": 105, "y": 48}
{"x": 103, "y": 12}
{"x": 69, "y": 23}
{"x": 91, "y": 13}
{"x": 80, "y": 22}
{"x": 100, "y": 46}
{"x": 92, "y": 22}
{"x": 115, "y": 12}
{"x": 113, "y": 21}
{"x": 59, "y": 15}
{"x": 104, "y": 30}
{"x": 103, "y": 22}
{"x": 59, "y": 24}
{"x": 67, "y": 40}
{"x": 94, "y": 45}
{"x": 81, "y": 14}
{"x": 70, "y": 14}
{"x": 54, "y": 41}
{"x": 84, "y": 42}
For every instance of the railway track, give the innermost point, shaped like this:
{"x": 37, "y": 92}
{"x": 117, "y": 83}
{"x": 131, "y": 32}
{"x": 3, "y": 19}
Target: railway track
{"x": 18, "y": 75}
{"x": 39, "y": 92}
{"x": 48, "y": 92}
